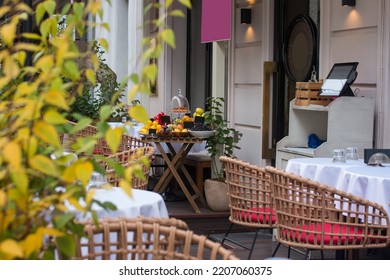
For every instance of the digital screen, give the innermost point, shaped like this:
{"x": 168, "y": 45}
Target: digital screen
{"x": 338, "y": 79}
{"x": 332, "y": 87}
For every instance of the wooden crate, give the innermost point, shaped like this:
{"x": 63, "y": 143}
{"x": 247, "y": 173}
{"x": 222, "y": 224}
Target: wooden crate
{"x": 306, "y": 93}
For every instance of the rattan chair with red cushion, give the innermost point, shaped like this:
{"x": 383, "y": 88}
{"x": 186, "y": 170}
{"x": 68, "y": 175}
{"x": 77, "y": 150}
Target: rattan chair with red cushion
{"x": 313, "y": 216}
{"x": 145, "y": 239}
{"x": 250, "y": 200}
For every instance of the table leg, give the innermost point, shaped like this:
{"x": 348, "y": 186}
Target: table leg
{"x": 173, "y": 166}
{"x": 164, "y": 180}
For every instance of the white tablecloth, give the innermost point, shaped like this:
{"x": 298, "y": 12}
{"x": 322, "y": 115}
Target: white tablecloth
{"x": 369, "y": 182}
{"x": 322, "y": 170}
{"x": 141, "y": 203}
{"x": 355, "y": 177}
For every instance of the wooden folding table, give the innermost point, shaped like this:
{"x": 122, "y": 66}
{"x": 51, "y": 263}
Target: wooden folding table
{"x": 177, "y": 164}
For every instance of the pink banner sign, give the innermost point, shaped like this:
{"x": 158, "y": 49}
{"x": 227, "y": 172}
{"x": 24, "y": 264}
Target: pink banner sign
{"x": 216, "y": 20}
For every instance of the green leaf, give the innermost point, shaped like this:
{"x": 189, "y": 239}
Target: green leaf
{"x": 168, "y": 3}
{"x": 105, "y": 112}
{"x": 151, "y": 72}
{"x": 90, "y": 74}
{"x": 47, "y": 133}
{"x": 186, "y": 3}
{"x": 32, "y": 36}
{"x": 106, "y": 205}
{"x": 134, "y": 78}
{"x": 21, "y": 181}
{"x": 80, "y": 125}
{"x": 63, "y": 219}
{"x": 104, "y": 43}
{"x": 44, "y": 165}
{"x": 177, "y": 13}
{"x": 168, "y": 36}
{"x": 66, "y": 245}
{"x": 71, "y": 70}
{"x": 78, "y": 9}
{"x": 50, "y": 7}
{"x": 39, "y": 13}
{"x": 54, "y": 117}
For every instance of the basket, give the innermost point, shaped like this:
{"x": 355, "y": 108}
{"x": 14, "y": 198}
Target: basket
{"x": 307, "y": 94}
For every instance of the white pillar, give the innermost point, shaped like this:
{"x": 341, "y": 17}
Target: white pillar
{"x": 135, "y": 35}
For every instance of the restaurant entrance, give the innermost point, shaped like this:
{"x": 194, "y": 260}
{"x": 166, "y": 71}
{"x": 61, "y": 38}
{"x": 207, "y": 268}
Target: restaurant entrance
{"x": 296, "y": 52}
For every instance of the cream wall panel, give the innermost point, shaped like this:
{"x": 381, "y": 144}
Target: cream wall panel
{"x": 358, "y": 46}
{"x": 250, "y": 145}
{"x": 362, "y": 15}
{"x": 247, "y": 105}
{"x": 249, "y": 33}
{"x": 365, "y": 91}
{"x": 248, "y": 67}
{"x": 361, "y": 33}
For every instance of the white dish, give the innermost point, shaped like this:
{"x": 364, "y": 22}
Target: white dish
{"x": 202, "y": 134}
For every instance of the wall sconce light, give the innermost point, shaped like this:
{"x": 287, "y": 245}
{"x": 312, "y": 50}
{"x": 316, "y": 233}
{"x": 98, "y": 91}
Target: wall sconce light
{"x": 350, "y": 3}
{"x": 246, "y": 16}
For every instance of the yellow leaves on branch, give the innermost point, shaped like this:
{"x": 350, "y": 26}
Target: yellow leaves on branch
{"x": 114, "y": 137}
{"x": 43, "y": 165}
{"x": 139, "y": 114}
{"x": 79, "y": 171}
{"x": 8, "y": 31}
{"x": 94, "y": 6}
{"x": 56, "y": 98}
{"x": 13, "y": 155}
{"x": 10, "y": 249}
{"x": 168, "y": 37}
{"x": 47, "y": 133}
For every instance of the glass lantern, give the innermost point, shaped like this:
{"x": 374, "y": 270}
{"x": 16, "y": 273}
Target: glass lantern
{"x": 179, "y": 106}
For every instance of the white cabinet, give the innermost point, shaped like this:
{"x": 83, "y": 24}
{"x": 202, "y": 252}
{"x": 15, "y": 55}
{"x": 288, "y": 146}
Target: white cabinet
{"x": 345, "y": 122}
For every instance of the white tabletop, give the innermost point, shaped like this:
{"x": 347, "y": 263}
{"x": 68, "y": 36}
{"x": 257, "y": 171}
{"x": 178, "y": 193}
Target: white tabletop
{"x": 141, "y": 203}
{"x": 355, "y": 177}
{"x": 322, "y": 170}
{"x": 369, "y": 182}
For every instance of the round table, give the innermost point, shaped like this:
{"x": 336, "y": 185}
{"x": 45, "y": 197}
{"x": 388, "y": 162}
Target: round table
{"x": 140, "y": 203}
{"x": 322, "y": 170}
{"x": 369, "y": 182}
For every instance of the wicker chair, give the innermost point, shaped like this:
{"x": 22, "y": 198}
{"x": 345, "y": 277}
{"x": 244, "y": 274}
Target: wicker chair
{"x": 127, "y": 158}
{"x": 313, "y": 216}
{"x": 250, "y": 200}
{"x": 101, "y": 147}
{"x": 146, "y": 238}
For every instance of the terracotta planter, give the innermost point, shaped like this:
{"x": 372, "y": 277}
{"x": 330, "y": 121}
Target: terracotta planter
{"x": 216, "y": 195}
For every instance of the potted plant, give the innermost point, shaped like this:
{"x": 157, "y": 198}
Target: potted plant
{"x": 223, "y": 142}
{"x": 105, "y": 91}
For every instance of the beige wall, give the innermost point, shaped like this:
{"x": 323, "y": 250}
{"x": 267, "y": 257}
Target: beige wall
{"x": 360, "y": 34}
{"x": 250, "y": 47}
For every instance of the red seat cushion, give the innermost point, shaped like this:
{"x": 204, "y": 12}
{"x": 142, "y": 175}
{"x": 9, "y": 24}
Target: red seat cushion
{"x": 259, "y": 215}
{"x": 349, "y": 234}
